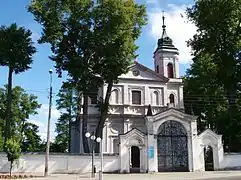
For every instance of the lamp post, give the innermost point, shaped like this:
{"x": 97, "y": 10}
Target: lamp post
{"x": 48, "y": 128}
{"x": 93, "y": 141}
{"x": 99, "y": 140}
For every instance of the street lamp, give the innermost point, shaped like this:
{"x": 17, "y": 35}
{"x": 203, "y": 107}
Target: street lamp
{"x": 99, "y": 140}
{"x": 93, "y": 141}
{"x": 48, "y": 128}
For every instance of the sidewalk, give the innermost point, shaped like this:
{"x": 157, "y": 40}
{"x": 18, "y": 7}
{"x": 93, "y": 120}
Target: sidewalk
{"x": 156, "y": 176}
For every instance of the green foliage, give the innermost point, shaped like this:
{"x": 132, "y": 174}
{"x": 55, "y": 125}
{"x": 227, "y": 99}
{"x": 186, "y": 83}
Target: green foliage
{"x": 211, "y": 84}
{"x": 16, "y": 48}
{"x": 93, "y": 42}
{"x": 23, "y": 105}
{"x": 13, "y": 151}
{"x": 67, "y": 104}
{"x": 16, "y": 51}
{"x": 1, "y": 143}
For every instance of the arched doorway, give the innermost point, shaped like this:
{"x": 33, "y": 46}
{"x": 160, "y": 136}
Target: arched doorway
{"x": 208, "y": 158}
{"x": 135, "y": 159}
{"x": 172, "y": 147}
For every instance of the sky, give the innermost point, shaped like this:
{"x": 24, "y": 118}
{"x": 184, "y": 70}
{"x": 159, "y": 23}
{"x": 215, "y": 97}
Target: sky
{"x": 36, "y": 80}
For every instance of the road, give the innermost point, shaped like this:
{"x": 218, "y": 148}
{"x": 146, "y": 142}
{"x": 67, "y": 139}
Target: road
{"x": 218, "y": 175}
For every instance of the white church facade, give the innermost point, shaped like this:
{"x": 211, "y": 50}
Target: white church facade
{"x": 146, "y": 125}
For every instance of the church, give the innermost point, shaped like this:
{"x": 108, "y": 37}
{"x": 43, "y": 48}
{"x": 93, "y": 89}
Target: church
{"x": 147, "y": 126}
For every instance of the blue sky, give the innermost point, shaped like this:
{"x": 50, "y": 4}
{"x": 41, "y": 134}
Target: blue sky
{"x": 36, "y": 80}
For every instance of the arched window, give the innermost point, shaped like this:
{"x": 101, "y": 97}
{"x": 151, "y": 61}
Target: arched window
{"x": 114, "y": 96}
{"x": 136, "y": 97}
{"x": 115, "y": 145}
{"x": 171, "y": 98}
{"x": 155, "y": 98}
{"x": 157, "y": 68}
{"x": 92, "y": 99}
{"x": 170, "y": 70}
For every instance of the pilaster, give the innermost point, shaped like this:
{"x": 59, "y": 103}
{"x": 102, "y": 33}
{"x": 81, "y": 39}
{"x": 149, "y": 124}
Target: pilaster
{"x": 151, "y": 147}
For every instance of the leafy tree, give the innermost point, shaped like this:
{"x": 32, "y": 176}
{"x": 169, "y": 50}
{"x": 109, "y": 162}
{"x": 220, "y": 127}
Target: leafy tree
{"x": 116, "y": 33}
{"x": 13, "y": 152}
{"x": 67, "y": 104}
{"x": 218, "y": 40}
{"x": 31, "y": 141}
{"x": 67, "y": 26}
{"x": 23, "y": 105}
{"x": 1, "y": 143}
{"x": 16, "y": 51}
{"x": 94, "y": 43}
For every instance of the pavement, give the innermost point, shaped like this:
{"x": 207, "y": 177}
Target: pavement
{"x": 212, "y": 175}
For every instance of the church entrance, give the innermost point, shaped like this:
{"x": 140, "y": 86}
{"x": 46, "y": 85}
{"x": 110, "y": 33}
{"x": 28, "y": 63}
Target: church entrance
{"x": 208, "y": 158}
{"x": 135, "y": 159}
{"x": 172, "y": 147}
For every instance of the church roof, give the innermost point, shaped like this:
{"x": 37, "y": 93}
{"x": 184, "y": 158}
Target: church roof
{"x": 165, "y": 42}
{"x": 154, "y": 73}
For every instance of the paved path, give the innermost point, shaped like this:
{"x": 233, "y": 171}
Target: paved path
{"x": 218, "y": 175}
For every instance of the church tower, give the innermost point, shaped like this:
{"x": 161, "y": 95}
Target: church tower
{"x": 165, "y": 56}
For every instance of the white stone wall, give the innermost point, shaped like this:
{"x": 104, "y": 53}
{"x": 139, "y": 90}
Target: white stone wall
{"x": 162, "y": 58}
{"x": 59, "y": 163}
{"x": 231, "y": 161}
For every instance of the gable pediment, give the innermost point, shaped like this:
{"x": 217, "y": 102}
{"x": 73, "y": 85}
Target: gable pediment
{"x": 140, "y": 72}
{"x": 210, "y": 133}
{"x": 174, "y": 114}
{"x": 133, "y": 132}
{"x": 133, "y": 137}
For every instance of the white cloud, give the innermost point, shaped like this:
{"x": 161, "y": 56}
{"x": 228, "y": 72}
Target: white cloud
{"x": 41, "y": 120}
{"x": 178, "y": 28}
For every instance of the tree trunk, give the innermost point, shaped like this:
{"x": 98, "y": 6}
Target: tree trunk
{"x": 11, "y": 166}
{"x": 9, "y": 103}
{"x": 84, "y": 124}
{"x": 231, "y": 96}
{"x": 103, "y": 112}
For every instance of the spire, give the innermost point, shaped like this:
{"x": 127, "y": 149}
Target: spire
{"x": 164, "y": 33}
{"x": 149, "y": 111}
{"x": 165, "y": 42}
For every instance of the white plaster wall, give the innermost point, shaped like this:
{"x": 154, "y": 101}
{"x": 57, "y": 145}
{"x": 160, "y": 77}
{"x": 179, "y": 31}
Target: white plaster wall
{"x": 174, "y": 89}
{"x": 231, "y": 161}
{"x": 162, "y": 58}
{"x": 147, "y": 83}
{"x": 59, "y": 163}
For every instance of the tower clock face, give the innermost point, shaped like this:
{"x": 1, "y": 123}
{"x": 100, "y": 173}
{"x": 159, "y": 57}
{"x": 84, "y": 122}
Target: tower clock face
{"x": 136, "y": 72}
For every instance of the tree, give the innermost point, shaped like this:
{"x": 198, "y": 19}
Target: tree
{"x": 67, "y": 104}
{"x": 13, "y": 152}
{"x": 218, "y": 39}
{"x": 117, "y": 33}
{"x": 31, "y": 141}
{"x": 67, "y": 26}
{"x": 23, "y": 105}
{"x": 16, "y": 51}
{"x": 94, "y": 43}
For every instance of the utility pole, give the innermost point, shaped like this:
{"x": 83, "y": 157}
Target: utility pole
{"x": 48, "y": 130}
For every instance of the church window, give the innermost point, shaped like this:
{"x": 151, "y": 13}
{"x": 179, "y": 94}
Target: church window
{"x": 93, "y": 99}
{"x": 172, "y": 100}
{"x": 157, "y": 68}
{"x": 114, "y": 96}
{"x": 155, "y": 98}
{"x": 170, "y": 72}
{"x": 115, "y": 145}
{"x": 136, "y": 97}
